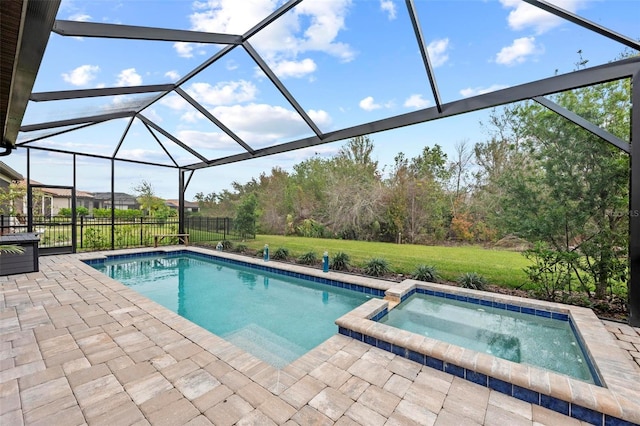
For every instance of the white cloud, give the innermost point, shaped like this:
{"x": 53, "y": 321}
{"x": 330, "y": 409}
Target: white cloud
{"x": 191, "y": 116}
{"x": 389, "y": 7}
{"x": 284, "y": 69}
{"x": 416, "y": 101}
{"x": 153, "y": 115}
{"x": 175, "y": 102}
{"x": 80, "y": 17}
{"x": 313, "y": 25}
{"x": 206, "y": 140}
{"x": 224, "y": 92}
{"x": 438, "y": 52}
{"x": 172, "y": 75}
{"x": 474, "y": 91}
{"x": 129, "y": 77}
{"x": 184, "y": 50}
{"x": 368, "y": 104}
{"x": 525, "y": 15}
{"x": 319, "y": 117}
{"x": 229, "y": 16}
{"x": 261, "y": 124}
{"x": 519, "y": 51}
{"x": 82, "y": 75}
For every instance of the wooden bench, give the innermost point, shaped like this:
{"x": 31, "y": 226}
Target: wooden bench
{"x": 181, "y": 237}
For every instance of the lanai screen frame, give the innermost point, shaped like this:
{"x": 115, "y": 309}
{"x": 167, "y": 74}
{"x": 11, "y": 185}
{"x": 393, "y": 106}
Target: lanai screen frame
{"x": 39, "y": 21}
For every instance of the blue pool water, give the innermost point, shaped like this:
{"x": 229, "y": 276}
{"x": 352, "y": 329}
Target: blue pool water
{"x": 274, "y": 317}
{"x": 519, "y": 337}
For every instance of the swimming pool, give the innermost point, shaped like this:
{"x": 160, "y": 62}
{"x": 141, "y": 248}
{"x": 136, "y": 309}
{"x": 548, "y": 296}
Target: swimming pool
{"x": 275, "y": 317}
{"x": 541, "y": 338}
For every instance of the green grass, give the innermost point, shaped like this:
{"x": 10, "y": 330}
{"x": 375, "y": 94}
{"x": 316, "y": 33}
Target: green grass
{"x": 500, "y": 267}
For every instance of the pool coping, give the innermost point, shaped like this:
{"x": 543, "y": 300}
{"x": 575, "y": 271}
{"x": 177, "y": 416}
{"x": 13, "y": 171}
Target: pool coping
{"x": 614, "y": 404}
{"x": 617, "y": 400}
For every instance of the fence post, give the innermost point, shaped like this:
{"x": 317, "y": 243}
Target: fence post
{"x": 81, "y": 230}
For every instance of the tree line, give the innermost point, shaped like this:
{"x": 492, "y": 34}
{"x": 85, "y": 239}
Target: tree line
{"x": 536, "y": 176}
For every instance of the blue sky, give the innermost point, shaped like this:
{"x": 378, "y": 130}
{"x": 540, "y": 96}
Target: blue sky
{"x": 347, "y": 62}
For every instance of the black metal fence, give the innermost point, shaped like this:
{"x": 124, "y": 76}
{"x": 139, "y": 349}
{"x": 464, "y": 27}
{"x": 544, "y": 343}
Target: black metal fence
{"x": 97, "y": 233}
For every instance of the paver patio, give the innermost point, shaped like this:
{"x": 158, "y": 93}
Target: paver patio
{"x": 80, "y": 348}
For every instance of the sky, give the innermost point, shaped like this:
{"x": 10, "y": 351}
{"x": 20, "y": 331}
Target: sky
{"x": 346, "y": 62}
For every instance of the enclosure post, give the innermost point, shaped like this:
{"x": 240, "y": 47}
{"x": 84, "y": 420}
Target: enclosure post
{"x": 634, "y": 206}
{"x": 74, "y": 221}
{"x": 29, "y": 194}
{"x": 180, "y": 204}
{"x": 113, "y": 205}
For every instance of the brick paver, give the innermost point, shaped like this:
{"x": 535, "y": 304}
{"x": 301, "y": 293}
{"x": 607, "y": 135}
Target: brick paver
{"x": 80, "y": 348}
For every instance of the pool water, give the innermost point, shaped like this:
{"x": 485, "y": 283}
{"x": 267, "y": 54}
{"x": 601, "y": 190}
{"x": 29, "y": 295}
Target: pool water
{"x": 274, "y": 317}
{"x": 518, "y": 337}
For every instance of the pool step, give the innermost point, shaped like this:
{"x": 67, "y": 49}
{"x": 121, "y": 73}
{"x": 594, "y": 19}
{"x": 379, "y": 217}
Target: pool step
{"x": 266, "y": 345}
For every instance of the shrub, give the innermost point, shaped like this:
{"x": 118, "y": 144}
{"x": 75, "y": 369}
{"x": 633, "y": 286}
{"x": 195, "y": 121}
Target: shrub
{"x": 550, "y": 271}
{"x": 340, "y": 261}
{"x": 227, "y": 245}
{"x": 426, "y": 273}
{"x": 241, "y": 248}
{"x": 281, "y": 253}
{"x": 377, "y": 267}
{"x": 472, "y": 280}
{"x": 66, "y": 212}
{"x": 308, "y": 258}
{"x": 93, "y": 238}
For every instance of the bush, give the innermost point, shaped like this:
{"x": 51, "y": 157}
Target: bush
{"x": 377, "y": 267}
{"x": 340, "y": 261}
{"x": 227, "y": 245}
{"x": 426, "y": 273}
{"x": 472, "y": 280}
{"x": 93, "y": 238}
{"x": 308, "y": 258}
{"x": 281, "y": 254}
{"x": 550, "y": 271}
{"x": 241, "y": 248}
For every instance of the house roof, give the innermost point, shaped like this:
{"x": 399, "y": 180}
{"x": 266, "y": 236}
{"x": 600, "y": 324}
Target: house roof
{"x": 55, "y": 191}
{"x": 119, "y": 196}
{"x": 7, "y": 171}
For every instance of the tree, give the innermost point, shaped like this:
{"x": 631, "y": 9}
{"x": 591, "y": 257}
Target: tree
{"x": 246, "y": 216}
{"x": 354, "y": 192}
{"x": 147, "y": 198}
{"x": 11, "y": 195}
{"x": 574, "y": 186}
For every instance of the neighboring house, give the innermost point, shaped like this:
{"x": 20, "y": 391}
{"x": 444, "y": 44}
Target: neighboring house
{"x": 8, "y": 176}
{"x": 189, "y": 206}
{"x": 123, "y": 201}
{"x": 49, "y": 201}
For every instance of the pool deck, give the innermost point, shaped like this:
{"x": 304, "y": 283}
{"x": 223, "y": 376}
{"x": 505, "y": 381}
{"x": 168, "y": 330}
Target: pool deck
{"x": 80, "y": 348}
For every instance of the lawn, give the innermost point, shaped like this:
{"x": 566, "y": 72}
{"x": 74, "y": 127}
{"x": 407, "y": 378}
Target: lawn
{"x": 500, "y": 267}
